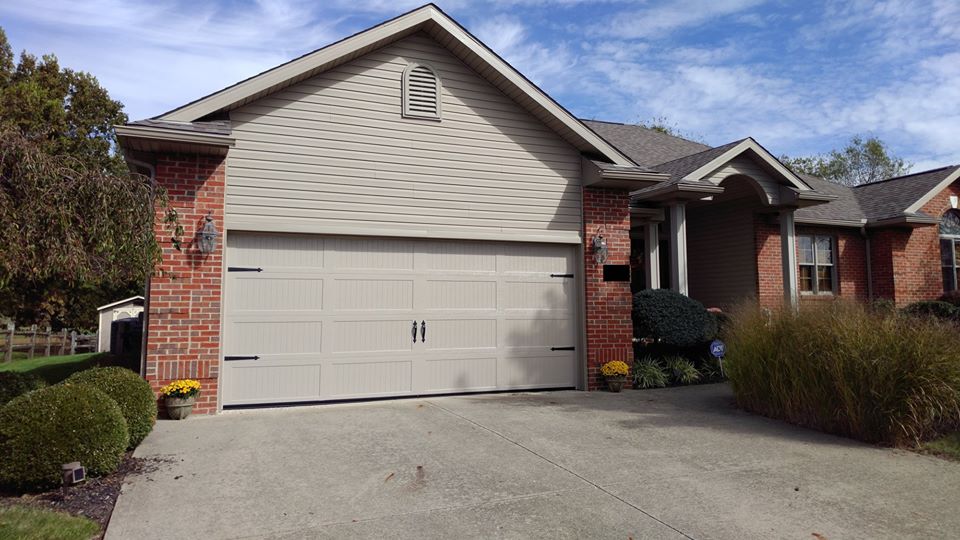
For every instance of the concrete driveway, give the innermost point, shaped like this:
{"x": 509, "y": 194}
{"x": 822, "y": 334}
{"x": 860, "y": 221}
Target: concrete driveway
{"x": 673, "y": 463}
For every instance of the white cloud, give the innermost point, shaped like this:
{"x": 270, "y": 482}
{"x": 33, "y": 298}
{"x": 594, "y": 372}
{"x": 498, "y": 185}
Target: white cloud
{"x": 664, "y": 18}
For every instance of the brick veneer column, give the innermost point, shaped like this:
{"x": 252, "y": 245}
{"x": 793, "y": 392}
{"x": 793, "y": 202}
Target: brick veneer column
{"x": 609, "y": 327}
{"x": 183, "y": 321}
{"x": 769, "y": 262}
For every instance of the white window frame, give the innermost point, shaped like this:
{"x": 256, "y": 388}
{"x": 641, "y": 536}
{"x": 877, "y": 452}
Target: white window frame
{"x": 815, "y": 281}
{"x": 953, "y": 239}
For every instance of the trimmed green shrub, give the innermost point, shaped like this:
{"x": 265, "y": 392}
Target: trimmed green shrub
{"x": 131, "y": 392}
{"x": 682, "y": 371}
{"x": 844, "y": 369}
{"x": 671, "y": 317}
{"x": 649, "y": 373}
{"x": 883, "y": 306}
{"x": 13, "y": 384}
{"x": 933, "y": 308}
{"x": 44, "y": 429}
{"x": 952, "y": 298}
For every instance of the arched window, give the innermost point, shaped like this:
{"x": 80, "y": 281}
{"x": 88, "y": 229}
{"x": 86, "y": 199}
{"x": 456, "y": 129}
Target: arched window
{"x": 950, "y": 249}
{"x": 421, "y": 92}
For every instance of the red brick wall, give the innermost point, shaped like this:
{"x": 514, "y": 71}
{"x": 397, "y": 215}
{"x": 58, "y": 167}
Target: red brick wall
{"x": 769, "y": 262}
{"x": 183, "y": 332}
{"x": 906, "y": 262}
{"x": 609, "y": 327}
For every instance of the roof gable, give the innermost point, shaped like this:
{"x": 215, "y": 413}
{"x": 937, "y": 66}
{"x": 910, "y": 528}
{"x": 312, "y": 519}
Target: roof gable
{"x": 444, "y": 30}
{"x": 903, "y": 195}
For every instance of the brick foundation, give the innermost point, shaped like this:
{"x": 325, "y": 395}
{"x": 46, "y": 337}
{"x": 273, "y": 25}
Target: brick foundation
{"x": 183, "y": 304}
{"x": 608, "y": 304}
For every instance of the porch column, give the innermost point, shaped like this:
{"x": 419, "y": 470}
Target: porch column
{"x": 652, "y": 257}
{"x": 678, "y": 248}
{"x": 788, "y": 254}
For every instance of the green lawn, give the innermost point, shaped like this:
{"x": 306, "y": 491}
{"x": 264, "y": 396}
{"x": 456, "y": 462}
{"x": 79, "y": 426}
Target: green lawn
{"x": 948, "y": 446}
{"x": 21, "y": 523}
{"x": 54, "y": 369}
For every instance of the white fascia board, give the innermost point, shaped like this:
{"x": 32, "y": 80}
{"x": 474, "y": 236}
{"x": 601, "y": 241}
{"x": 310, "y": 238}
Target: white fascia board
{"x": 259, "y": 83}
{"x": 762, "y": 153}
{"x": 951, "y": 178}
{"x": 119, "y": 302}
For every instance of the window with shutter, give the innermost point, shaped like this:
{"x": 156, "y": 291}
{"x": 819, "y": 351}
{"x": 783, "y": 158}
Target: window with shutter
{"x": 421, "y": 92}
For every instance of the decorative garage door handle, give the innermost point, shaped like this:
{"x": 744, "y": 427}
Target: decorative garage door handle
{"x": 563, "y": 348}
{"x": 243, "y": 269}
{"x": 413, "y": 332}
{"x": 228, "y": 358}
{"x": 423, "y": 331}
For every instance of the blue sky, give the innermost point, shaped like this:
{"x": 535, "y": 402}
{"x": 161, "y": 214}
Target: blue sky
{"x": 800, "y": 77}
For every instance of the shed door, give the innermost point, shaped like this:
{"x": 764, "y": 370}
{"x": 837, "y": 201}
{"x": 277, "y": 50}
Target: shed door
{"x": 313, "y": 318}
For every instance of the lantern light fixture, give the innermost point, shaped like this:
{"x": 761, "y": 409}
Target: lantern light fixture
{"x": 208, "y": 236}
{"x": 600, "y": 250}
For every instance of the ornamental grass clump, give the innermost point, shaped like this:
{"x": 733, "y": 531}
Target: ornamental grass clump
{"x": 879, "y": 377}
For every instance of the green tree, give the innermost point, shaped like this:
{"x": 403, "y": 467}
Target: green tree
{"x": 76, "y": 227}
{"x": 861, "y": 161}
{"x": 65, "y": 111}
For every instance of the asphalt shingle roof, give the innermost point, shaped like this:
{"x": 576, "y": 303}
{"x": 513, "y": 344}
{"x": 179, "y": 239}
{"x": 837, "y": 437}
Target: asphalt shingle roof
{"x": 844, "y": 208}
{"x": 683, "y": 166}
{"x": 645, "y": 146}
{"x": 891, "y": 198}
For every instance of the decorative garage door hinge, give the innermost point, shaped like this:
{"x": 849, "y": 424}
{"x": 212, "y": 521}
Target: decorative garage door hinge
{"x": 563, "y": 348}
{"x": 562, "y": 275}
{"x": 243, "y": 269}
{"x": 228, "y": 358}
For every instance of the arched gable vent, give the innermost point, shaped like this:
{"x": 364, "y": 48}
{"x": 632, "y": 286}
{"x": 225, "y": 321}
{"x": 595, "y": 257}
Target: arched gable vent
{"x": 421, "y": 92}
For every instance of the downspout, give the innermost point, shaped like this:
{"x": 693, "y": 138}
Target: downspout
{"x": 146, "y": 290}
{"x": 866, "y": 239}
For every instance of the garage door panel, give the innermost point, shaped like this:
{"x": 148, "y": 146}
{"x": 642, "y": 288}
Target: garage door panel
{"x": 460, "y": 294}
{"x": 391, "y": 335}
{"x": 461, "y": 334}
{"x": 258, "y": 337}
{"x": 368, "y": 379}
{"x": 452, "y": 374}
{"x": 342, "y": 329}
{"x": 547, "y": 370}
{"x": 538, "y": 332}
{"x": 446, "y": 256}
{"x": 276, "y": 293}
{"x": 350, "y": 253}
{"x": 270, "y": 383}
{"x": 374, "y": 294}
{"x": 282, "y": 251}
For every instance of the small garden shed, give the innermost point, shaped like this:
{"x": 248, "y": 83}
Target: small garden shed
{"x": 122, "y": 309}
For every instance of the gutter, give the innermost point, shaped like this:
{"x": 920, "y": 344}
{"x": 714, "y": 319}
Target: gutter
{"x": 173, "y": 135}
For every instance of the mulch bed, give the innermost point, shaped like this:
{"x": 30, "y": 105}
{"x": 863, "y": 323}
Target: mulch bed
{"x": 93, "y": 499}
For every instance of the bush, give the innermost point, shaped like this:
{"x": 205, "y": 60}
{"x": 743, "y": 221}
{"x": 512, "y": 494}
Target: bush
{"x": 952, "y": 298}
{"x": 682, "y": 371}
{"x": 42, "y": 430}
{"x": 844, "y": 369}
{"x": 649, "y": 373}
{"x": 671, "y": 317}
{"x": 933, "y": 308}
{"x": 132, "y": 394}
{"x": 13, "y": 384}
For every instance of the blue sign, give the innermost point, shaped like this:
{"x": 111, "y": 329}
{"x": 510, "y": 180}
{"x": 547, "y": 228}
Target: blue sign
{"x": 717, "y": 348}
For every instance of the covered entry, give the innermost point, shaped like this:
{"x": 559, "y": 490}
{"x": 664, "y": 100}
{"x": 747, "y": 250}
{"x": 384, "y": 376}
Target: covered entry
{"x": 312, "y": 318}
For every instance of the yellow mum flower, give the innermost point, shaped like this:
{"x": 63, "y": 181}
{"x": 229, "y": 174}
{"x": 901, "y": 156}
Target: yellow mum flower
{"x": 615, "y": 368}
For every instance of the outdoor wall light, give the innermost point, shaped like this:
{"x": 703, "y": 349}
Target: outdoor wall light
{"x": 73, "y": 473}
{"x": 953, "y": 201}
{"x": 599, "y": 244}
{"x": 208, "y": 236}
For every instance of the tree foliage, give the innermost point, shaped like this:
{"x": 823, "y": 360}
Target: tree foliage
{"x": 76, "y": 228}
{"x": 861, "y": 161}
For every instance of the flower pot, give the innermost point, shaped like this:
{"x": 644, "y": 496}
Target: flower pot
{"x": 179, "y": 408}
{"x": 615, "y": 384}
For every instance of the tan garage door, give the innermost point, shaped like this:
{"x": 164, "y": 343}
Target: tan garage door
{"x": 311, "y": 318}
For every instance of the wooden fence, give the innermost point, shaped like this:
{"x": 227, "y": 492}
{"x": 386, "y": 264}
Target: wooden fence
{"x": 44, "y": 342}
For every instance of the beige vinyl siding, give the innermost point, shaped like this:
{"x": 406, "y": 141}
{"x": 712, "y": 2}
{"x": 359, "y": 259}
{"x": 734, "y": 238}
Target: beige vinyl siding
{"x": 721, "y": 253}
{"x": 746, "y": 166}
{"x": 333, "y": 154}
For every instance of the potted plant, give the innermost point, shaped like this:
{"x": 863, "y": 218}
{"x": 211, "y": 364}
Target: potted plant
{"x": 615, "y": 373}
{"x": 179, "y": 397}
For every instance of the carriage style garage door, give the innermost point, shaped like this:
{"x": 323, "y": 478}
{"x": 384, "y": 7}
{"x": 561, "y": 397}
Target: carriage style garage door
{"x": 312, "y": 318}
